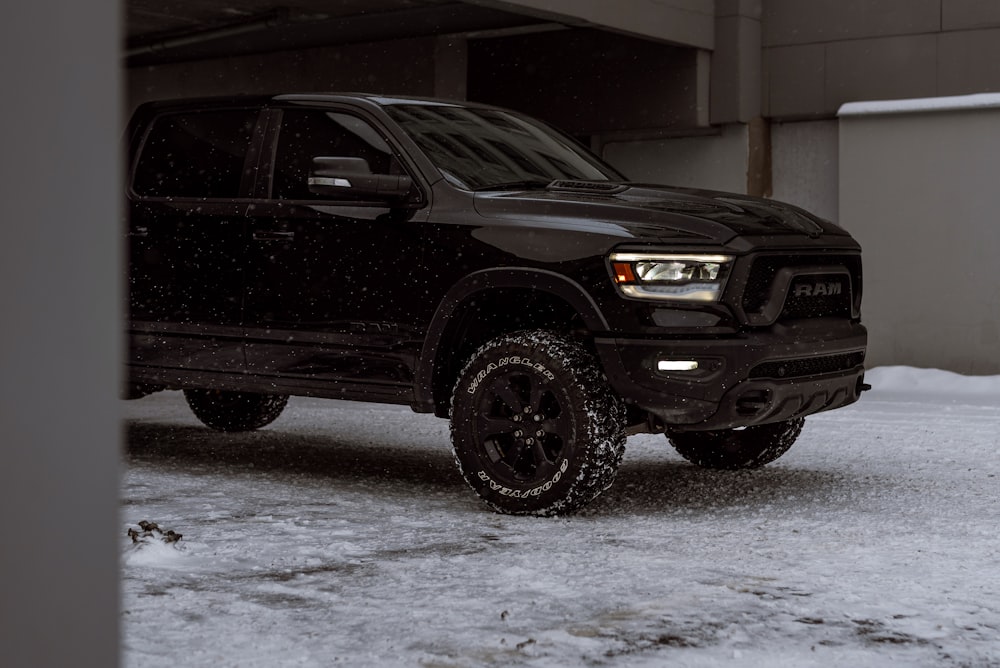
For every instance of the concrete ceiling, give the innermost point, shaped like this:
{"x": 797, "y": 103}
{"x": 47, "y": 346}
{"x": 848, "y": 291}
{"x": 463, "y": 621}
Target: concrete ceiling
{"x": 162, "y": 31}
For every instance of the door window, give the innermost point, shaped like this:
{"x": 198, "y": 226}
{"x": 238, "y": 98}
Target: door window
{"x": 307, "y": 134}
{"x": 198, "y": 154}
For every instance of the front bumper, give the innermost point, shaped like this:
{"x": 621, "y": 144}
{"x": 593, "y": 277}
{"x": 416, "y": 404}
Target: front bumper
{"x": 780, "y": 373}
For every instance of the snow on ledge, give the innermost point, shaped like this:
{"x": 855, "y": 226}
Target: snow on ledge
{"x": 932, "y": 381}
{"x": 919, "y": 105}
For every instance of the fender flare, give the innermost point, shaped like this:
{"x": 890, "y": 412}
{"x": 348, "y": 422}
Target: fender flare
{"x": 542, "y": 280}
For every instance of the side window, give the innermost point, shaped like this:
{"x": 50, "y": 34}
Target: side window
{"x": 307, "y": 134}
{"x": 197, "y": 154}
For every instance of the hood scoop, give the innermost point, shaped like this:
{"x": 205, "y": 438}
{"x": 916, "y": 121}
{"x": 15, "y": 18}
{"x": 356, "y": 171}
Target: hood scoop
{"x": 591, "y": 187}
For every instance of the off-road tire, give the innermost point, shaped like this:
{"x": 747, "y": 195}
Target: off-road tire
{"x": 735, "y": 449}
{"x": 235, "y": 411}
{"x": 535, "y": 426}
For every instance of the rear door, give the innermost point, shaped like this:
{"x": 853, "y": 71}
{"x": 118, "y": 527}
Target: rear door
{"x": 189, "y": 195}
{"x": 330, "y": 301}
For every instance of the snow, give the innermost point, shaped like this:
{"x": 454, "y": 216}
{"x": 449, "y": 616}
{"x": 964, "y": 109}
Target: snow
{"x": 343, "y": 534}
{"x": 945, "y": 384}
{"x": 919, "y": 105}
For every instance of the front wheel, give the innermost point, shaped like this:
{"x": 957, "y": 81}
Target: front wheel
{"x": 235, "y": 411}
{"x": 734, "y": 449}
{"x": 536, "y": 429}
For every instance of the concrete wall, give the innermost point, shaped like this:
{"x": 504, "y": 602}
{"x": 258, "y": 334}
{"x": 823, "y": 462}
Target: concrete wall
{"x": 919, "y": 192}
{"x": 717, "y": 161}
{"x": 590, "y": 81}
{"x": 819, "y": 54}
{"x": 912, "y": 188}
{"x": 804, "y": 163}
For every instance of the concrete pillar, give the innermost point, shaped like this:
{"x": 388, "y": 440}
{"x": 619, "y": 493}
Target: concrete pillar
{"x": 736, "y": 62}
{"x": 59, "y": 352}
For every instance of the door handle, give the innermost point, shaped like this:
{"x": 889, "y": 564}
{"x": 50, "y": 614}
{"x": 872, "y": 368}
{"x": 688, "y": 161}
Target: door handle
{"x": 139, "y": 231}
{"x": 272, "y": 235}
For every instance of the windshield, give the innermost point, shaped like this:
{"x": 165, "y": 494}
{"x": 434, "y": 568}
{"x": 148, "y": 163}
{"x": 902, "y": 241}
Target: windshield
{"x": 481, "y": 149}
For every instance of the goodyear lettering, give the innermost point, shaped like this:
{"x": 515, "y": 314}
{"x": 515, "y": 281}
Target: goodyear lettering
{"x": 524, "y": 494}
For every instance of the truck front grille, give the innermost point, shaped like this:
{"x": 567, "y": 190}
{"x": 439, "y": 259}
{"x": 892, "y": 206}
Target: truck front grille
{"x": 799, "y": 304}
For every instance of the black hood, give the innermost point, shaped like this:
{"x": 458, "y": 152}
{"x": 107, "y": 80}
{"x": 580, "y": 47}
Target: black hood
{"x": 656, "y": 212}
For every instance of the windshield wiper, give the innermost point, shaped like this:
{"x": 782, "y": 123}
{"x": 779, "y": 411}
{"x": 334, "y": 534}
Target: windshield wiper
{"x": 515, "y": 185}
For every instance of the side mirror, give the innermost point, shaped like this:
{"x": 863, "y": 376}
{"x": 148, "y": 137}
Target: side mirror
{"x": 352, "y": 178}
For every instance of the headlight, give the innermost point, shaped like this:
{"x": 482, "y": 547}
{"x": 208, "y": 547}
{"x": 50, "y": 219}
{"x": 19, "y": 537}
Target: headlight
{"x": 671, "y": 277}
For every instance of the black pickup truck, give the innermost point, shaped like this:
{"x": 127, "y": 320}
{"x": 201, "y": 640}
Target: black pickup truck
{"x": 477, "y": 264}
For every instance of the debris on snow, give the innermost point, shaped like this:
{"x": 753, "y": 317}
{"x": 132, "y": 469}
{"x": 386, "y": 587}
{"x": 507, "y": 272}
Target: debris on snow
{"x": 150, "y": 531}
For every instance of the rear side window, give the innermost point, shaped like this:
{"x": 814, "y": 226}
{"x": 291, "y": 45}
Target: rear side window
{"x": 198, "y": 154}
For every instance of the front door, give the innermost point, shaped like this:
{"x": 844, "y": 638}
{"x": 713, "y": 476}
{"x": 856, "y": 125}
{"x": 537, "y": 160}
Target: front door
{"x": 329, "y": 302}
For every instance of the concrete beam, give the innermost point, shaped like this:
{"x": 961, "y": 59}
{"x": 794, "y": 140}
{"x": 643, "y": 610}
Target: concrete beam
{"x": 682, "y": 22}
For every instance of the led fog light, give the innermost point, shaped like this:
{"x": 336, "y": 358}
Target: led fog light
{"x": 676, "y": 365}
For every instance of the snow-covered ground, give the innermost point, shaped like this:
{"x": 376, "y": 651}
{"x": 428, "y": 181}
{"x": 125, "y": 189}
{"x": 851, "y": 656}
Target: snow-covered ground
{"x": 343, "y": 535}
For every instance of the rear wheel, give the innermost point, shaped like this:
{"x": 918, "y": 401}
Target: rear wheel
{"x": 734, "y": 449}
{"x": 235, "y": 411}
{"x": 536, "y": 429}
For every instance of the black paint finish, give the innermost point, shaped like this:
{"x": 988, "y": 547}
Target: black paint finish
{"x": 279, "y": 286}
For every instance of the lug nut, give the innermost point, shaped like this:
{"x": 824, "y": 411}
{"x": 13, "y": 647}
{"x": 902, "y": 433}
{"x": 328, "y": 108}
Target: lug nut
{"x": 518, "y": 433}
{"x": 539, "y": 433}
{"x": 529, "y": 441}
{"x": 538, "y": 417}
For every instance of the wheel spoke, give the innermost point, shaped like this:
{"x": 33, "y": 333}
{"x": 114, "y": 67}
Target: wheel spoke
{"x": 514, "y": 456}
{"x": 538, "y": 392}
{"x": 493, "y": 451}
{"x": 490, "y": 426}
{"x": 557, "y": 433}
{"x": 542, "y": 459}
{"x": 559, "y": 425}
{"x": 504, "y": 392}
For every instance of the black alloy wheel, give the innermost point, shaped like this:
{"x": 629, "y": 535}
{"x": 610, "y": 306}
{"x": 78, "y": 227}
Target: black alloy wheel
{"x": 535, "y": 427}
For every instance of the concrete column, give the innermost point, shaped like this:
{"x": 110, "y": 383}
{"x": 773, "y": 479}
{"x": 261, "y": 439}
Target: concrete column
{"x": 736, "y": 62}
{"x": 59, "y": 357}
